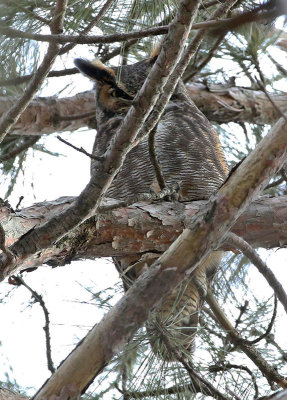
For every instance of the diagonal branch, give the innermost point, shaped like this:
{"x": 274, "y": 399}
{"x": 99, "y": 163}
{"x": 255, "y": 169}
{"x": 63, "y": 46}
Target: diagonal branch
{"x": 205, "y": 232}
{"x": 254, "y": 257}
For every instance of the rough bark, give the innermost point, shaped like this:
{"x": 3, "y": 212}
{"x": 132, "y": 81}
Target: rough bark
{"x": 139, "y": 228}
{"x": 235, "y": 104}
{"x": 7, "y": 394}
{"x": 45, "y": 115}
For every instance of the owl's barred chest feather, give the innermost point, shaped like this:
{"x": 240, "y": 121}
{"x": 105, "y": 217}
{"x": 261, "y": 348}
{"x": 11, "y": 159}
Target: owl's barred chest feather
{"x": 186, "y": 152}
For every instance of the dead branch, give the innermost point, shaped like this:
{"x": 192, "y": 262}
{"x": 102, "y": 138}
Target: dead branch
{"x": 39, "y": 299}
{"x": 253, "y": 256}
{"x": 268, "y": 371}
{"x": 225, "y": 367}
{"x": 81, "y": 150}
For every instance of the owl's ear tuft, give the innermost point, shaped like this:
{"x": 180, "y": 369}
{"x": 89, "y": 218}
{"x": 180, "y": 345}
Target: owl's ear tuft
{"x": 95, "y": 70}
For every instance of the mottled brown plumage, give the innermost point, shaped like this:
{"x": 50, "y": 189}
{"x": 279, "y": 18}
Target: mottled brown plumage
{"x": 189, "y": 153}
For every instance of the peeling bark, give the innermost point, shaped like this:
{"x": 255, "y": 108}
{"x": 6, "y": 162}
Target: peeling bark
{"x": 139, "y": 228}
{"x": 234, "y": 104}
{"x": 43, "y": 115}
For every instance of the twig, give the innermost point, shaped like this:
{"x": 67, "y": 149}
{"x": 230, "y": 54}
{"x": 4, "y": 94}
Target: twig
{"x": 81, "y": 150}
{"x": 94, "y": 22}
{"x": 211, "y": 52}
{"x": 82, "y": 39}
{"x": 268, "y": 371}
{"x": 242, "y": 311}
{"x": 249, "y": 252}
{"x": 275, "y": 183}
{"x": 217, "y": 368}
{"x": 38, "y": 299}
{"x": 19, "y": 202}
{"x": 269, "y": 328}
{"x": 11, "y": 116}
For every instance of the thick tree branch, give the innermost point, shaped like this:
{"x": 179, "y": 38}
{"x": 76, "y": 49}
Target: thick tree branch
{"x": 220, "y": 105}
{"x": 143, "y": 227}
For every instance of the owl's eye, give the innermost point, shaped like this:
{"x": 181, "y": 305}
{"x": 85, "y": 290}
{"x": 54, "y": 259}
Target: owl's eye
{"x": 119, "y": 93}
{"x": 113, "y": 92}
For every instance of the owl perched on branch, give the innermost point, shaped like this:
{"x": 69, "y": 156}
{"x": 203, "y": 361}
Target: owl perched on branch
{"x": 187, "y": 152}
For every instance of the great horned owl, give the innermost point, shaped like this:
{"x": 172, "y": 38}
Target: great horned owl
{"x": 189, "y": 152}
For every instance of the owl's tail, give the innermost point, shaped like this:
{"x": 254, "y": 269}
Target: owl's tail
{"x": 172, "y": 327}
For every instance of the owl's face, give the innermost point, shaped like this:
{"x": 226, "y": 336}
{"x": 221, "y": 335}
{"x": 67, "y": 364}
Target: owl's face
{"x": 115, "y": 87}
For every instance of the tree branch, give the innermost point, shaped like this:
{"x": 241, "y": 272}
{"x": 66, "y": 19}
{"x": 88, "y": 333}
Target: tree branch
{"x": 221, "y": 25}
{"x": 250, "y": 253}
{"x": 158, "y": 224}
{"x": 268, "y": 371}
{"x": 38, "y": 299}
{"x": 224, "y": 367}
{"x": 50, "y": 114}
